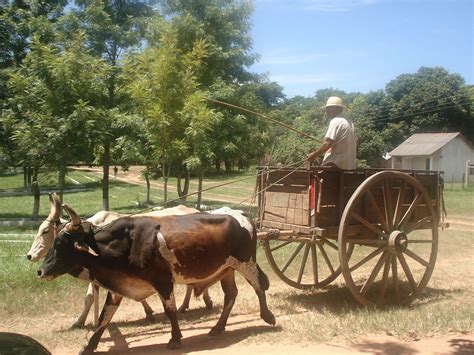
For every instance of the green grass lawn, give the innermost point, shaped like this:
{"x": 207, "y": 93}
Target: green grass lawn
{"x": 123, "y": 197}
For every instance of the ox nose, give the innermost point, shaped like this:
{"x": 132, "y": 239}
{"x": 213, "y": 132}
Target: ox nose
{"x": 40, "y": 273}
{"x": 28, "y": 256}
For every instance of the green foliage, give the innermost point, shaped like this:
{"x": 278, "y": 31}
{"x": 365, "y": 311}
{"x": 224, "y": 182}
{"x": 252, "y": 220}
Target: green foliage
{"x": 55, "y": 103}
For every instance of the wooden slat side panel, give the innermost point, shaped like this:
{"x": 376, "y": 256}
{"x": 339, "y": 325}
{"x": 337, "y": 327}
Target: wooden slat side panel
{"x": 286, "y": 207}
{"x": 295, "y": 178}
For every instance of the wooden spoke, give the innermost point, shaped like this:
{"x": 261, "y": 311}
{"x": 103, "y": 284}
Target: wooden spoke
{"x": 374, "y": 273}
{"x": 396, "y": 283}
{"x": 292, "y": 257}
{"x": 407, "y": 271}
{"x": 387, "y": 197}
{"x": 367, "y": 258}
{"x": 331, "y": 244}
{"x": 409, "y": 212}
{"x": 386, "y": 271}
{"x": 399, "y": 206}
{"x": 376, "y": 208}
{"x": 280, "y": 246}
{"x": 315, "y": 264}
{"x": 411, "y": 227}
{"x": 303, "y": 262}
{"x": 326, "y": 258}
{"x": 416, "y": 257}
{"x": 369, "y": 225}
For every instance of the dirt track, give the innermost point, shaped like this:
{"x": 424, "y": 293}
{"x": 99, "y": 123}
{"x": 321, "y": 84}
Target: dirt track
{"x": 242, "y": 327}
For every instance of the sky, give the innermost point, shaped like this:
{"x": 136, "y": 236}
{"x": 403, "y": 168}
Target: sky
{"x": 359, "y": 45}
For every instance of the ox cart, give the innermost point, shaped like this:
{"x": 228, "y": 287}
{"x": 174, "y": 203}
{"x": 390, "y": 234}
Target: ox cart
{"x": 378, "y": 228}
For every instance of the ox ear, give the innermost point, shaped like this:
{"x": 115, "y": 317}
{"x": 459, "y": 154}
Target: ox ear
{"x": 84, "y": 248}
{"x": 75, "y": 219}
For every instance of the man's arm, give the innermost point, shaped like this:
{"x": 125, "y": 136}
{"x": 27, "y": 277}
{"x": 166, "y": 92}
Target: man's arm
{"x": 328, "y": 143}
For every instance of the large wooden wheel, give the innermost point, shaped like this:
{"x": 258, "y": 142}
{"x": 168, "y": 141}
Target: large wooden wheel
{"x": 304, "y": 262}
{"x": 388, "y": 240}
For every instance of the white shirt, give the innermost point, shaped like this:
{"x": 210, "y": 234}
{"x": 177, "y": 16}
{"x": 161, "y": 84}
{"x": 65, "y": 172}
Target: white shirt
{"x": 343, "y": 151}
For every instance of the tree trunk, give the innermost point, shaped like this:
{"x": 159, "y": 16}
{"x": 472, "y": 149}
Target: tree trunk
{"x": 29, "y": 173}
{"x": 147, "y": 179}
{"x": 62, "y": 180}
{"x": 105, "y": 177}
{"x": 218, "y": 165}
{"x": 25, "y": 177}
{"x": 165, "y": 172}
{"x": 199, "y": 197}
{"x": 228, "y": 166}
{"x": 36, "y": 194}
{"x": 183, "y": 192}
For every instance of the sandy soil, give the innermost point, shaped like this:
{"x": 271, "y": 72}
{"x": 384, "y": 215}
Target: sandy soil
{"x": 240, "y": 327}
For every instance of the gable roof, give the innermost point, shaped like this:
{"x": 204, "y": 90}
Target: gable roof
{"x": 424, "y": 144}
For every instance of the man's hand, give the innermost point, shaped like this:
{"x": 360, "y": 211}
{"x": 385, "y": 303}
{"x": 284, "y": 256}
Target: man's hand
{"x": 311, "y": 156}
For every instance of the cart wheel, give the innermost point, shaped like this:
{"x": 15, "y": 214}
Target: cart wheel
{"x": 308, "y": 264}
{"x": 391, "y": 260}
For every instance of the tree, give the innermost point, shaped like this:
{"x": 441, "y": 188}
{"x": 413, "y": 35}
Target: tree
{"x": 430, "y": 100}
{"x": 111, "y": 28}
{"x": 225, "y": 26}
{"x": 53, "y": 109}
{"x": 162, "y": 82}
{"x": 19, "y": 20}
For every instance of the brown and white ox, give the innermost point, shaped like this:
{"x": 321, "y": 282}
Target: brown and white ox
{"x": 137, "y": 257}
{"x": 49, "y": 229}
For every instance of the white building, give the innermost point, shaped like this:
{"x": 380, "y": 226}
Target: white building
{"x": 446, "y": 152}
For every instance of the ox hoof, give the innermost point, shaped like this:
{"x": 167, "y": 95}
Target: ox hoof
{"x": 209, "y": 304}
{"x": 268, "y": 317}
{"x": 174, "y": 344}
{"x": 77, "y": 326}
{"x": 86, "y": 350}
{"x": 216, "y": 330}
{"x": 182, "y": 309}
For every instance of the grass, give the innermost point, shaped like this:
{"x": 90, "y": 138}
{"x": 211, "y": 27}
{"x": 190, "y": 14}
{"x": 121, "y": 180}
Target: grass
{"x": 45, "y": 309}
{"x": 124, "y": 197}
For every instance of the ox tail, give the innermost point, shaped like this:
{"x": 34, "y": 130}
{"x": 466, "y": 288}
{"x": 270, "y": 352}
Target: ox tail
{"x": 263, "y": 279}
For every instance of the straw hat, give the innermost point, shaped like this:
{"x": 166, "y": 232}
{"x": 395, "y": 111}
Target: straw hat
{"x": 334, "y": 101}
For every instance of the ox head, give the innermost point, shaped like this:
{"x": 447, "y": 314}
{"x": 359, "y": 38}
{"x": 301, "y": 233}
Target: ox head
{"x": 69, "y": 247}
{"x": 46, "y": 231}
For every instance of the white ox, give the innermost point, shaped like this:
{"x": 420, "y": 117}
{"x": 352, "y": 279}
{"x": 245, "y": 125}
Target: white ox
{"x": 49, "y": 229}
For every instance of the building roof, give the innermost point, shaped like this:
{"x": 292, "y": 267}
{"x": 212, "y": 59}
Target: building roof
{"x": 424, "y": 144}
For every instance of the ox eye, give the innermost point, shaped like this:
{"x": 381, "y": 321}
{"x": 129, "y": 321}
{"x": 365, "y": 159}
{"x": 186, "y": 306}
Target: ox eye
{"x": 46, "y": 230}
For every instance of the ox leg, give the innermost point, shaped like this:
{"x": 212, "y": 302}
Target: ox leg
{"x": 148, "y": 311}
{"x": 112, "y": 302}
{"x": 189, "y": 290}
{"x": 185, "y": 305}
{"x": 259, "y": 281}
{"x": 230, "y": 294}
{"x": 207, "y": 299}
{"x": 165, "y": 290}
{"x": 88, "y": 301}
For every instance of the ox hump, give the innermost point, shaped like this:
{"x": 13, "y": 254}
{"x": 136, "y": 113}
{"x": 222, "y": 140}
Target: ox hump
{"x": 238, "y": 215}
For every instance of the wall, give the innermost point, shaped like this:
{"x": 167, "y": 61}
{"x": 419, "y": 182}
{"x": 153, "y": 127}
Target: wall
{"x": 453, "y": 159}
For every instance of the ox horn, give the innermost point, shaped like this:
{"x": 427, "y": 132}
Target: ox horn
{"x": 55, "y": 203}
{"x": 75, "y": 219}
{"x": 85, "y": 249}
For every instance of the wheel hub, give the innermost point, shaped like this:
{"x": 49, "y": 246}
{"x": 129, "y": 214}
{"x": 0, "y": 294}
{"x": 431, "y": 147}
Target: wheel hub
{"x": 398, "y": 241}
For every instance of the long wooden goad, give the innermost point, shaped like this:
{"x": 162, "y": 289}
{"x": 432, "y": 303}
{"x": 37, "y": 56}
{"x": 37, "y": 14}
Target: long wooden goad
{"x": 263, "y": 116}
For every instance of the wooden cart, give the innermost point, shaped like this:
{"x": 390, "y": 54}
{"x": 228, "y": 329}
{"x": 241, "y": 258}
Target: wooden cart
{"x": 378, "y": 228}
